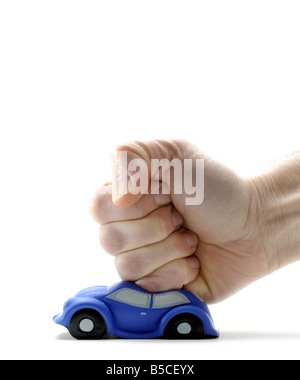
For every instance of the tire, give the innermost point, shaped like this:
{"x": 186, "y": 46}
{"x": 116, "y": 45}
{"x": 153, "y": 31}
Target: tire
{"x": 184, "y": 326}
{"x": 87, "y": 324}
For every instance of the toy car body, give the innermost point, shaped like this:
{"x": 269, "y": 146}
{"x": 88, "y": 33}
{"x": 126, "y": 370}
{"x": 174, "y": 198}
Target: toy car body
{"x": 127, "y": 311}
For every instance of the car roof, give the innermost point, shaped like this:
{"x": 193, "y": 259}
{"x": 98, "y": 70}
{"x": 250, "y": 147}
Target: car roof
{"x": 131, "y": 285}
{"x": 125, "y": 284}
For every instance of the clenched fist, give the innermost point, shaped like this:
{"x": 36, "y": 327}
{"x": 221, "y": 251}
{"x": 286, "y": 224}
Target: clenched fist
{"x": 214, "y": 247}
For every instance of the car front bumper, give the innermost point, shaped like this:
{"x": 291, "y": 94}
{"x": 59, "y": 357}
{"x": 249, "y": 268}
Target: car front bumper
{"x": 58, "y": 318}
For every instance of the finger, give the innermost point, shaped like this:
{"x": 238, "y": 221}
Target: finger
{"x": 132, "y": 169}
{"x": 141, "y": 262}
{"x": 173, "y": 275}
{"x": 118, "y": 237}
{"x": 104, "y": 211}
{"x": 200, "y": 287}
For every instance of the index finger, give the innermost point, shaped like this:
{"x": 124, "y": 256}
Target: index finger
{"x": 104, "y": 211}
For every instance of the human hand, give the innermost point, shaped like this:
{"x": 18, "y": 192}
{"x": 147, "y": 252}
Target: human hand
{"x": 213, "y": 249}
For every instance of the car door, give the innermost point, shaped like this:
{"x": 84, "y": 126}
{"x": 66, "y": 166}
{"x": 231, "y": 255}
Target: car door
{"x": 164, "y": 302}
{"x": 130, "y": 308}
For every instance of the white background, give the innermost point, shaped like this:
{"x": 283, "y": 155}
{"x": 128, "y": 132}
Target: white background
{"x": 79, "y": 77}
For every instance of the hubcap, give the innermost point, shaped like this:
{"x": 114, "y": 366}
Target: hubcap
{"x": 184, "y": 328}
{"x": 86, "y": 325}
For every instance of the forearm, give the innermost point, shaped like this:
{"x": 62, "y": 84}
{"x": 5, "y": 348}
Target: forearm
{"x": 278, "y": 191}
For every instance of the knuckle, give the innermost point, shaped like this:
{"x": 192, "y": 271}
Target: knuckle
{"x": 98, "y": 207}
{"x": 111, "y": 239}
{"x": 127, "y": 267}
{"x": 179, "y": 244}
{"x": 189, "y": 274}
{"x": 163, "y": 221}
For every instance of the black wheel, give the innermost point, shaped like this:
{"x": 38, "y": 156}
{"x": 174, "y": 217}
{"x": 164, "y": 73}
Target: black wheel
{"x": 184, "y": 326}
{"x": 87, "y": 324}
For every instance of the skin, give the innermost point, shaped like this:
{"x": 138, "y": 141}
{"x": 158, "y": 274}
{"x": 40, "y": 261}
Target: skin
{"x": 244, "y": 229}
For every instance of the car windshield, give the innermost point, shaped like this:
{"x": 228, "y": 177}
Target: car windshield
{"x": 131, "y": 297}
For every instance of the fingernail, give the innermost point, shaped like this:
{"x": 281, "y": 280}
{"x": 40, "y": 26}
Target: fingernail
{"x": 162, "y": 195}
{"x": 177, "y": 218}
{"x": 193, "y": 261}
{"x": 162, "y": 199}
{"x": 144, "y": 283}
{"x": 119, "y": 186}
{"x": 190, "y": 238}
{"x": 116, "y": 197}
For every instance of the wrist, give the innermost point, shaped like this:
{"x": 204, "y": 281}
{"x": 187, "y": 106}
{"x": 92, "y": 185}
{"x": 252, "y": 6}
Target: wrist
{"x": 277, "y": 211}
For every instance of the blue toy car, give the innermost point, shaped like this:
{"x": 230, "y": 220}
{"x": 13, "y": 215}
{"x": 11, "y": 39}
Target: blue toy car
{"x": 127, "y": 311}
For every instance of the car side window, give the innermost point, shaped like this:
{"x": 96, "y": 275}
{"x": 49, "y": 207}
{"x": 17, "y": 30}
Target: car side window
{"x": 131, "y": 297}
{"x": 169, "y": 299}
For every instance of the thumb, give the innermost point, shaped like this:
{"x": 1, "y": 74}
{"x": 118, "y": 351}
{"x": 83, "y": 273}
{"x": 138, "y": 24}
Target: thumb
{"x": 132, "y": 169}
